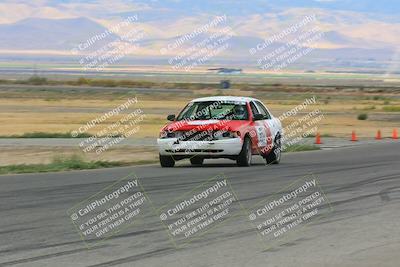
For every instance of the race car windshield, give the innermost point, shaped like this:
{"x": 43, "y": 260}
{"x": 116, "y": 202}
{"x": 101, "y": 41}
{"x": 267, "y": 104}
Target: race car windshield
{"x": 214, "y": 111}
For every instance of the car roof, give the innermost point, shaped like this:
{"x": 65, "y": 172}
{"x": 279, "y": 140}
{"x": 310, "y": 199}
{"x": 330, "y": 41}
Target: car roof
{"x": 224, "y": 98}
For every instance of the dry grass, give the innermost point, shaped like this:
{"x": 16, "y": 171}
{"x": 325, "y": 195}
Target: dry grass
{"x": 19, "y": 116}
{"x": 45, "y": 155}
{"x": 23, "y": 112}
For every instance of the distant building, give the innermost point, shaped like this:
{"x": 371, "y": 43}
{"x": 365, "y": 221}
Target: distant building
{"x": 226, "y": 70}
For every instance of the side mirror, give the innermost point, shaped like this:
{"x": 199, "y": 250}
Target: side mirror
{"x": 258, "y": 117}
{"x": 171, "y": 117}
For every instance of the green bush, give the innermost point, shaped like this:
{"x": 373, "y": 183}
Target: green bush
{"x": 60, "y": 163}
{"x": 83, "y": 81}
{"x": 36, "y": 80}
{"x": 362, "y": 116}
{"x": 47, "y": 135}
{"x": 300, "y": 147}
{"x": 392, "y": 108}
{"x": 103, "y": 83}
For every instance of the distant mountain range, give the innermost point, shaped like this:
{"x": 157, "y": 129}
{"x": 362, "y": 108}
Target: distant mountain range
{"x": 42, "y": 35}
{"x": 49, "y": 34}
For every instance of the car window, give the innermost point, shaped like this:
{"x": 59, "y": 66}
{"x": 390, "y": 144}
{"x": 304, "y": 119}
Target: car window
{"x": 208, "y": 110}
{"x": 254, "y": 109}
{"x": 263, "y": 110}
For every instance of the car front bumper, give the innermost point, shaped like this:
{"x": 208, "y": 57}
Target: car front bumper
{"x": 229, "y": 147}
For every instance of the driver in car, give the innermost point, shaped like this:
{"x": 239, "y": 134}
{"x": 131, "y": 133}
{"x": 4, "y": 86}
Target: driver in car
{"x": 239, "y": 112}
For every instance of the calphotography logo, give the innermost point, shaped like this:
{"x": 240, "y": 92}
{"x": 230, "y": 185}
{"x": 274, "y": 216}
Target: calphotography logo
{"x": 109, "y": 47}
{"x": 279, "y": 216}
{"x": 197, "y": 212}
{"x": 110, "y": 211}
{"x": 197, "y": 48}
{"x": 292, "y": 44}
{"x": 114, "y": 133}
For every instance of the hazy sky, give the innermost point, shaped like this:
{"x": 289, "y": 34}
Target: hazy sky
{"x": 13, "y": 10}
{"x": 347, "y": 23}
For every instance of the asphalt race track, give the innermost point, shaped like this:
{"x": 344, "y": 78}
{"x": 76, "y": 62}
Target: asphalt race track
{"x": 363, "y": 229}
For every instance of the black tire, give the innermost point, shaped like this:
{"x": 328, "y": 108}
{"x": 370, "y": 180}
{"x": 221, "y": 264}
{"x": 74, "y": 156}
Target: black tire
{"x": 196, "y": 161}
{"x": 244, "y": 158}
{"x": 167, "y": 161}
{"x": 274, "y": 157}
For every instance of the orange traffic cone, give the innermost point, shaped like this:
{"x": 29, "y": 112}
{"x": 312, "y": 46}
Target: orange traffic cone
{"x": 318, "y": 139}
{"x": 394, "y": 136}
{"x": 353, "y": 136}
{"x": 378, "y": 135}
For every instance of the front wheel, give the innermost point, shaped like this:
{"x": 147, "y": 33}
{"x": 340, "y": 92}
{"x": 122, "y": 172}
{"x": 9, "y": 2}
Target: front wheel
{"x": 274, "y": 157}
{"x": 167, "y": 161}
{"x": 244, "y": 158}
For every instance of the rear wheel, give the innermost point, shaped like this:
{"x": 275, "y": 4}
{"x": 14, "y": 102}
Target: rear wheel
{"x": 244, "y": 158}
{"x": 196, "y": 161}
{"x": 167, "y": 161}
{"x": 274, "y": 157}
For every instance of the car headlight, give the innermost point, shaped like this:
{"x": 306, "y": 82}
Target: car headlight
{"x": 164, "y": 134}
{"x": 168, "y": 134}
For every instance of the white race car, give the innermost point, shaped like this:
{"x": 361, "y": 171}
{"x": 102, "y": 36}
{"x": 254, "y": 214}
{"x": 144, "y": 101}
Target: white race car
{"x": 221, "y": 127}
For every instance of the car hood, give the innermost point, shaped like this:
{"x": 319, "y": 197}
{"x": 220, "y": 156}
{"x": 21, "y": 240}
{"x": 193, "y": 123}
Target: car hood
{"x": 204, "y": 125}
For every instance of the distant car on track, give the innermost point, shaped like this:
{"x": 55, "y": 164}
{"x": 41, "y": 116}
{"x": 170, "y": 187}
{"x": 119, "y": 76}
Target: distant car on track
{"x": 221, "y": 127}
